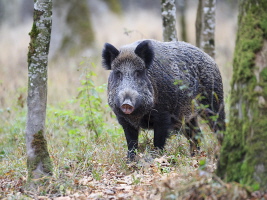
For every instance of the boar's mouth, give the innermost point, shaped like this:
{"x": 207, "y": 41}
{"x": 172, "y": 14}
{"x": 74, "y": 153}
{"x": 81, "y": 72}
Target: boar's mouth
{"x": 127, "y": 109}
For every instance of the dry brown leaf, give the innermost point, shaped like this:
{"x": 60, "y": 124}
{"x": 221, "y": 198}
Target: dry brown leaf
{"x": 162, "y": 160}
{"x": 81, "y": 197}
{"x": 42, "y": 198}
{"x": 195, "y": 163}
{"x": 62, "y": 198}
{"x": 85, "y": 180}
{"x": 95, "y": 195}
{"x": 109, "y": 192}
{"x": 121, "y": 182}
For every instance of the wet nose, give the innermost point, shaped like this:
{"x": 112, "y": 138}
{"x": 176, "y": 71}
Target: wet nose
{"x": 127, "y": 106}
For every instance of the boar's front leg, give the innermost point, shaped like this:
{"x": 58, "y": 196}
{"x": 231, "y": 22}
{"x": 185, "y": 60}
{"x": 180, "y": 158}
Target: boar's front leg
{"x": 162, "y": 123}
{"x": 131, "y": 134}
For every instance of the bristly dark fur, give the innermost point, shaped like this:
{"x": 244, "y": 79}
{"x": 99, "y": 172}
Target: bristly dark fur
{"x": 109, "y": 53}
{"x": 144, "y": 50}
{"x": 164, "y": 86}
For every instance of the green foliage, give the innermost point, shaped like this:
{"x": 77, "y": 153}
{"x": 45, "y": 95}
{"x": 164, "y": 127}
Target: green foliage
{"x": 202, "y": 163}
{"x": 136, "y": 179}
{"x": 12, "y": 144}
{"x": 91, "y": 104}
{"x": 11, "y": 129}
{"x": 89, "y": 120}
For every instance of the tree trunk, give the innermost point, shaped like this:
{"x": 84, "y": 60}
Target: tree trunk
{"x": 205, "y": 26}
{"x": 199, "y": 22}
{"x": 38, "y": 160}
{"x": 168, "y": 10}
{"x": 78, "y": 33}
{"x": 244, "y": 152}
{"x": 182, "y": 8}
{"x": 114, "y": 6}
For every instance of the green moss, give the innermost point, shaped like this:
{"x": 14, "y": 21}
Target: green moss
{"x": 263, "y": 75}
{"x": 263, "y": 82}
{"x": 39, "y": 145}
{"x": 33, "y": 44}
{"x": 34, "y": 32}
{"x": 247, "y": 44}
{"x": 244, "y": 149}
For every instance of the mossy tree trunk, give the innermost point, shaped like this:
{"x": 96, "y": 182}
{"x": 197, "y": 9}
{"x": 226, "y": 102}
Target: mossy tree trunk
{"x": 76, "y": 31}
{"x": 114, "y": 6}
{"x": 244, "y": 152}
{"x": 205, "y": 26}
{"x": 168, "y": 12}
{"x": 38, "y": 160}
{"x": 79, "y": 34}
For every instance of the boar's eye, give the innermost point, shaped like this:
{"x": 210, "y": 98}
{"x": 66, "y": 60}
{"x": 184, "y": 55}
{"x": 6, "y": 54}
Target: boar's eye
{"x": 118, "y": 74}
{"x": 138, "y": 73}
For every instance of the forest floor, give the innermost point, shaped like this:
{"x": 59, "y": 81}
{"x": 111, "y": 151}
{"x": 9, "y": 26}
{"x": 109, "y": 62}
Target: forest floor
{"x": 146, "y": 179}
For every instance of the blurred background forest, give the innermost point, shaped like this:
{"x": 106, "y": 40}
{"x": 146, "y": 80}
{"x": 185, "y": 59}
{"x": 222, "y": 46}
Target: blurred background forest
{"x": 80, "y": 30}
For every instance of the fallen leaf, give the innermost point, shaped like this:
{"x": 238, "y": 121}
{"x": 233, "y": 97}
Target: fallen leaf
{"x": 42, "y": 198}
{"x": 62, "y": 198}
{"x": 109, "y": 192}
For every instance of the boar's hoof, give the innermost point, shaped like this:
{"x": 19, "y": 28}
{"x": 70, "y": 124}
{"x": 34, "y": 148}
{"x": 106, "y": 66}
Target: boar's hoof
{"x": 127, "y": 109}
{"x": 131, "y": 157}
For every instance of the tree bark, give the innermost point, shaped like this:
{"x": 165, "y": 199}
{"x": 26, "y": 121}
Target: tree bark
{"x": 38, "y": 160}
{"x": 199, "y": 22}
{"x": 181, "y": 9}
{"x": 244, "y": 152}
{"x": 205, "y": 26}
{"x": 168, "y": 11}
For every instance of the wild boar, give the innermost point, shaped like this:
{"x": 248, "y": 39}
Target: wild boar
{"x": 163, "y": 86}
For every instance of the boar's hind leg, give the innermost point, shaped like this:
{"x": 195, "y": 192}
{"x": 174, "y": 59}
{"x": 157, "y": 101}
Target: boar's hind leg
{"x": 193, "y": 134}
{"x": 162, "y": 124}
{"x": 214, "y": 112}
{"x": 216, "y": 120}
{"x": 131, "y": 134}
{"x": 215, "y": 115}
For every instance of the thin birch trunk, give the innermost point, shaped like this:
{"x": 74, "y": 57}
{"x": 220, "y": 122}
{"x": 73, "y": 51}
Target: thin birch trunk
{"x": 168, "y": 11}
{"x": 199, "y": 22}
{"x": 205, "y": 26}
{"x": 38, "y": 160}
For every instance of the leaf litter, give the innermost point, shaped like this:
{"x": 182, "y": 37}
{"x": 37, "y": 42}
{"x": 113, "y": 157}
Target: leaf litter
{"x": 155, "y": 179}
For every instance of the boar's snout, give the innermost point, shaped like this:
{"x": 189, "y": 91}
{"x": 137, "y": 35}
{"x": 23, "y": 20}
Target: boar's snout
{"x": 128, "y": 99}
{"x": 127, "y": 107}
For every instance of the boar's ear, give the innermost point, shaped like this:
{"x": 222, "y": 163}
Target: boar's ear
{"x": 109, "y": 53}
{"x": 144, "y": 50}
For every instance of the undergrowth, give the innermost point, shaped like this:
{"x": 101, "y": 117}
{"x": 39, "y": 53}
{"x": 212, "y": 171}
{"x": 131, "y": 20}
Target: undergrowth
{"x": 85, "y": 140}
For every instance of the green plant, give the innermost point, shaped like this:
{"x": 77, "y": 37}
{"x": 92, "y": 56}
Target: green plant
{"x": 93, "y": 110}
